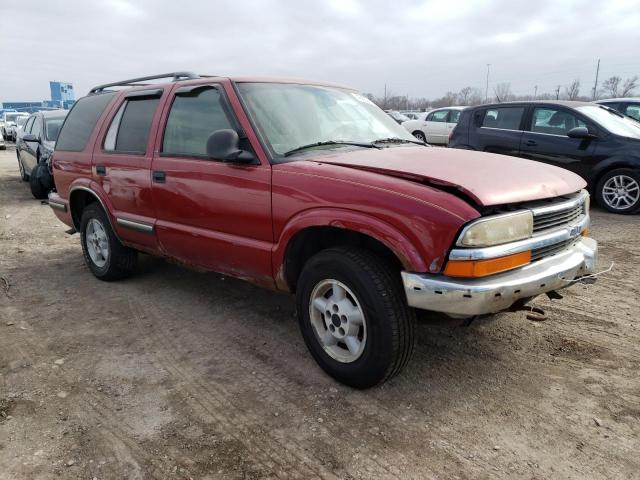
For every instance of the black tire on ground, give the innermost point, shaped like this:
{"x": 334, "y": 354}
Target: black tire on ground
{"x": 389, "y": 322}
{"x": 420, "y": 136}
{"x": 37, "y": 189}
{"x": 628, "y": 173}
{"x": 120, "y": 262}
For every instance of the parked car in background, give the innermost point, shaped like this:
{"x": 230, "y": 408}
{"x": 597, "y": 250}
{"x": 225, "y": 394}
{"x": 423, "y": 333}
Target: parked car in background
{"x": 397, "y": 116}
{"x": 9, "y": 122}
{"x": 628, "y": 106}
{"x": 3, "y": 145}
{"x": 12, "y": 127}
{"x": 34, "y": 146}
{"x": 310, "y": 188}
{"x": 415, "y": 115}
{"x": 594, "y": 141}
{"x": 436, "y": 125}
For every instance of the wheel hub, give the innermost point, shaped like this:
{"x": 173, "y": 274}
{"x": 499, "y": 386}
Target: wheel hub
{"x": 337, "y": 320}
{"x": 97, "y": 242}
{"x": 621, "y": 192}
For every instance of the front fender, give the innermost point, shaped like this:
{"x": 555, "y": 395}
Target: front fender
{"x": 386, "y": 234}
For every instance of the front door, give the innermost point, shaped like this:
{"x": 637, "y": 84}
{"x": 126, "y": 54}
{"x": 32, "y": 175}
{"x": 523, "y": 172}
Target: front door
{"x": 210, "y": 213}
{"x": 30, "y": 154}
{"x": 546, "y": 140}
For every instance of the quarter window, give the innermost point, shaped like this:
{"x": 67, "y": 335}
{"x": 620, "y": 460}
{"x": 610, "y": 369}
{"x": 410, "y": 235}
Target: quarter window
{"x": 129, "y": 129}
{"x": 554, "y": 121}
{"x": 81, "y": 121}
{"x": 507, "y": 118}
{"x": 633, "y": 111}
{"x": 438, "y": 116}
{"x": 194, "y": 116}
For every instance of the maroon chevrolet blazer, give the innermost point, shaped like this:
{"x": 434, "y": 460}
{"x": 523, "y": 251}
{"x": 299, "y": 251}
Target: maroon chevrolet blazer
{"x": 310, "y": 188}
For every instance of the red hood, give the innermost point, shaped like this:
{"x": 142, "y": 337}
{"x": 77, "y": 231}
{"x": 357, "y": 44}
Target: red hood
{"x": 488, "y": 178}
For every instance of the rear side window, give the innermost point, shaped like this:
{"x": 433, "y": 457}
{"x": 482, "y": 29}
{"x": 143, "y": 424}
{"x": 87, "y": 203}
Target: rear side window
{"x": 454, "y": 116}
{"x": 193, "y": 118}
{"x": 129, "y": 130}
{"x": 554, "y": 121}
{"x": 36, "y": 129}
{"x": 81, "y": 121}
{"x": 507, "y": 118}
{"x": 28, "y": 125}
{"x": 439, "y": 116}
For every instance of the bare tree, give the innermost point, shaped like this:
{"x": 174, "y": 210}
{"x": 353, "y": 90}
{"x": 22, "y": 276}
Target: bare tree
{"x": 610, "y": 86}
{"x": 465, "y": 95}
{"x": 629, "y": 86}
{"x": 573, "y": 90}
{"x": 503, "y": 92}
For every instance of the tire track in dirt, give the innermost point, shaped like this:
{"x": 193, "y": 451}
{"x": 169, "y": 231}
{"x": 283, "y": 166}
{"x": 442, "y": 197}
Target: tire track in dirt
{"x": 212, "y": 400}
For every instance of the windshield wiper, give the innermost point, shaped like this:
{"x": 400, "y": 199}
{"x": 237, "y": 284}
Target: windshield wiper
{"x": 398, "y": 140}
{"x": 330, "y": 142}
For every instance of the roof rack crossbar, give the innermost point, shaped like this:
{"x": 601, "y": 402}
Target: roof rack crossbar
{"x": 175, "y": 76}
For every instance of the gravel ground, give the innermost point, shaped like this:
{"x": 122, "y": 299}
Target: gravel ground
{"x": 179, "y": 374}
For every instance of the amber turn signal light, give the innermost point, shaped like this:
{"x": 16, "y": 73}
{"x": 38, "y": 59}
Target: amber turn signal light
{"x": 585, "y": 232}
{"x": 482, "y": 268}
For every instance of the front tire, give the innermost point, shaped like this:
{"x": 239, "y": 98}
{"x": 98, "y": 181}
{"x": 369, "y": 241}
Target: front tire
{"x": 420, "y": 136}
{"x": 354, "y": 317}
{"x": 103, "y": 253}
{"x": 37, "y": 189}
{"x": 618, "y": 191}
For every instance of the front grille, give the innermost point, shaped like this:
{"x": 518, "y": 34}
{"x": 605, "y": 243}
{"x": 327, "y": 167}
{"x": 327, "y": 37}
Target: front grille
{"x": 546, "y": 221}
{"x": 550, "y": 250}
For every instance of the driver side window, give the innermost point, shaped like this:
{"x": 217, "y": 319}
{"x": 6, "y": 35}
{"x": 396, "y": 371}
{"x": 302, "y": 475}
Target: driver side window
{"x": 554, "y": 121}
{"x": 194, "y": 116}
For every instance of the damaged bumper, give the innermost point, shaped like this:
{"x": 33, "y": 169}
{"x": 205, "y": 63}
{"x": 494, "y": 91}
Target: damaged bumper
{"x": 468, "y": 297}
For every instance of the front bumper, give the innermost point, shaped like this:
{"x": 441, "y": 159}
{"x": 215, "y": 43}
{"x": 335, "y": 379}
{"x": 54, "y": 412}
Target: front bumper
{"x": 478, "y": 296}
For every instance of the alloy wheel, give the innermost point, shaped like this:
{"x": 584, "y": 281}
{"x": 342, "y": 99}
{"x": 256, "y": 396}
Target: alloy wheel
{"x": 97, "y": 242}
{"x": 621, "y": 192}
{"x": 338, "y": 320}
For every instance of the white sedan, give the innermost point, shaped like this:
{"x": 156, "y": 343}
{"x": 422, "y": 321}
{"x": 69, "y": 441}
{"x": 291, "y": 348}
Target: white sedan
{"x": 436, "y": 126}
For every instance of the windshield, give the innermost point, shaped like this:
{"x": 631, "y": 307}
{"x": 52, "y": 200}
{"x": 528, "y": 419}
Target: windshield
{"x": 11, "y": 117}
{"x": 53, "y": 128}
{"x": 613, "y": 122}
{"x": 292, "y": 115}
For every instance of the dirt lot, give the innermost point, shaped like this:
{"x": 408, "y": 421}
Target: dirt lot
{"x": 178, "y": 374}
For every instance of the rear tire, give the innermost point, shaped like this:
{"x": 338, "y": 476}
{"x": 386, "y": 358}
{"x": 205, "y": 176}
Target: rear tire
{"x": 365, "y": 301}
{"x": 103, "y": 253}
{"x": 618, "y": 191}
{"x": 37, "y": 189}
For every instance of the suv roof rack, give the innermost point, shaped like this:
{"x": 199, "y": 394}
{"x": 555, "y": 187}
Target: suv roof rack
{"x": 132, "y": 82}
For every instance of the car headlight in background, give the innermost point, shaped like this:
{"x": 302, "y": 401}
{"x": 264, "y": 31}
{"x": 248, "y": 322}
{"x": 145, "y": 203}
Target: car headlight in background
{"x": 497, "y": 230}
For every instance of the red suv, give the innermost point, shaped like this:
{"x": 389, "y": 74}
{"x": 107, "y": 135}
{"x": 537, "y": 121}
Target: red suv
{"x": 310, "y": 188}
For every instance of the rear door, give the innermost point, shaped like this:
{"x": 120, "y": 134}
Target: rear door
{"x": 211, "y": 213}
{"x": 546, "y": 139}
{"x": 435, "y": 127}
{"x": 122, "y": 164}
{"x": 497, "y": 129}
{"x": 30, "y": 153}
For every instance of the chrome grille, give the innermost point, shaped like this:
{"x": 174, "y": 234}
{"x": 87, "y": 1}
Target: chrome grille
{"x": 561, "y": 218}
{"x": 549, "y": 250}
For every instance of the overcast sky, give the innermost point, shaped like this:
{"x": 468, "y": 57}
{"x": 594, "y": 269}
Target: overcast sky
{"x": 419, "y": 48}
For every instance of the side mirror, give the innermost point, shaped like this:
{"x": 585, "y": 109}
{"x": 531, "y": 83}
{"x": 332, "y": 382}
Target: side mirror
{"x": 29, "y": 137}
{"x": 580, "y": 132}
{"x": 224, "y": 145}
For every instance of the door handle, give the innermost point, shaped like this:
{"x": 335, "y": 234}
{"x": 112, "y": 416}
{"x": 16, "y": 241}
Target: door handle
{"x": 101, "y": 170}
{"x": 158, "y": 176}
{"x": 531, "y": 143}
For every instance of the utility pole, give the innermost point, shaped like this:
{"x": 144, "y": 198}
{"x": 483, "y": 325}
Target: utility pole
{"x": 535, "y": 92}
{"x": 385, "y": 96}
{"x": 486, "y": 93}
{"x": 595, "y": 85}
{"x": 558, "y": 93}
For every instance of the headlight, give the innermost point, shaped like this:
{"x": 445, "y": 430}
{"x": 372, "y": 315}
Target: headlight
{"x": 497, "y": 230}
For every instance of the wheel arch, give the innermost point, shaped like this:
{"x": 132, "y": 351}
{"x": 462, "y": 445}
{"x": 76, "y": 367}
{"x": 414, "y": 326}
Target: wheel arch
{"x": 80, "y": 196}
{"x": 609, "y": 165}
{"x": 316, "y": 230}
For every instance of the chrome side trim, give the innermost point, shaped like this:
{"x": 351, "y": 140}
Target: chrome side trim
{"x": 540, "y": 240}
{"x": 137, "y": 226}
{"x": 464, "y": 297}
